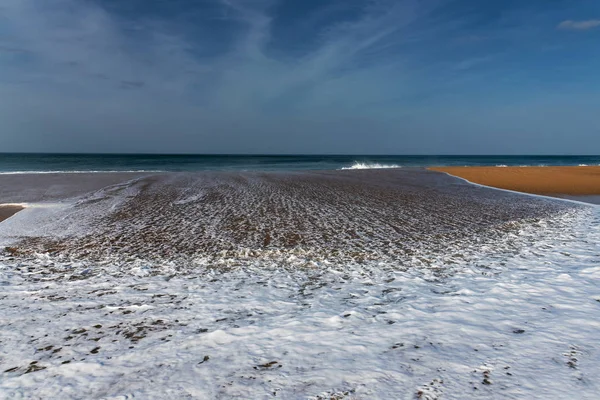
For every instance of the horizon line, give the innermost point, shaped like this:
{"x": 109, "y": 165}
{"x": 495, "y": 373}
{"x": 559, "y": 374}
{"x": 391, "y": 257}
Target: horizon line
{"x": 290, "y": 154}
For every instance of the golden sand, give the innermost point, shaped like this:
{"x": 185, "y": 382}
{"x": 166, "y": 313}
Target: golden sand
{"x": 576, "y": 181}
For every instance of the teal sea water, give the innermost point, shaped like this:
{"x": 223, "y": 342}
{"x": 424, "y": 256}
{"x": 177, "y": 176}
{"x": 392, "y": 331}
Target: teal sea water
{"x": 40, "y": 163}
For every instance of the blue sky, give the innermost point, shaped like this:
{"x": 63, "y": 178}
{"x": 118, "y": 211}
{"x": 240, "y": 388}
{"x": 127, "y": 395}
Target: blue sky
{"x": 282, "y": 76}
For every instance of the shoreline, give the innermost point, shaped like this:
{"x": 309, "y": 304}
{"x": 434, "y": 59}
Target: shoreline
{"x": 574, "y": 183}
{"x": 8, "y": 210}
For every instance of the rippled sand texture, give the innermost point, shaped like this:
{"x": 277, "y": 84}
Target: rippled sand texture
{"x": 290, "y": 218}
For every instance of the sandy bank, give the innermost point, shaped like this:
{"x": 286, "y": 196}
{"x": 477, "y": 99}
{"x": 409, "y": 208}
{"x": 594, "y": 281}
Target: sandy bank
{"x": 574, "y": 181}
{"x": 8, "y": 211}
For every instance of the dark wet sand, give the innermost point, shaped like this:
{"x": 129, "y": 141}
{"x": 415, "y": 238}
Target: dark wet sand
{"x": 8, "y": 211}
{"x": 34, "y": 188}
{"x": 368, "y": 214}
{"x": 585, "y": 199}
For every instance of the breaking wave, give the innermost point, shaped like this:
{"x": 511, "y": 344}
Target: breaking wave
{"x": 362, "y": 165}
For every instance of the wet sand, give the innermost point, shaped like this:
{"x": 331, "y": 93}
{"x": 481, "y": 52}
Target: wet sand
{"x": 34, "y": 188}
{"x": 582, "y": 182}
{"x": 327, "y": 215}
{"x": 8, "y": 211}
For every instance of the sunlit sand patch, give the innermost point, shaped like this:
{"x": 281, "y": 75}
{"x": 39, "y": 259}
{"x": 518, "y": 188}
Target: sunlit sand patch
{"x": 574, "y": 181}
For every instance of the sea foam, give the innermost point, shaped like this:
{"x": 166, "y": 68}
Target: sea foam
{"x": 368, "y": 330}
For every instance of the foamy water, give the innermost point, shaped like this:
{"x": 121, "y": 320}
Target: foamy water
{"x": 425, "y": 288}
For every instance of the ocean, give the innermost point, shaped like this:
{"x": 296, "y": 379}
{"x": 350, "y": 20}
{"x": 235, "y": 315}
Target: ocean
{"x": 21, "y": 163}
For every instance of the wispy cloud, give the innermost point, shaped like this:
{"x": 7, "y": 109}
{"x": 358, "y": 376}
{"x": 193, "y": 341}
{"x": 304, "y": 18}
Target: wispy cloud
{"x": 579, "y": 25}
{"x": 73, "y": 43}
{"x": 80, "y": 57}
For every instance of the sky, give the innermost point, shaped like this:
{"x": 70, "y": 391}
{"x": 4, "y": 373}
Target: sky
{"x": 300, "y": 76}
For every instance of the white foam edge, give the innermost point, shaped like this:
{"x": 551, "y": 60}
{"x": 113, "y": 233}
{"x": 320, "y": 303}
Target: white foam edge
{"x": 15, "y": 226}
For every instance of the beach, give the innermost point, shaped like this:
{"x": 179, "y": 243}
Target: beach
{"x": 548, "y": 180}
{"x": 353, "y": 284}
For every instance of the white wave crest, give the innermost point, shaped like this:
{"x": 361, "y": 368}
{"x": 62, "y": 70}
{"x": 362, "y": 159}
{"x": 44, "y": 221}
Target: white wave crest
{"x": 362, "y": 165}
